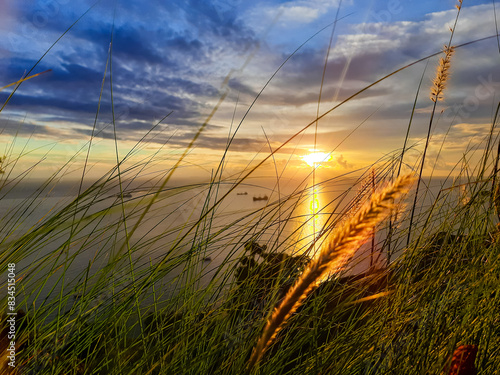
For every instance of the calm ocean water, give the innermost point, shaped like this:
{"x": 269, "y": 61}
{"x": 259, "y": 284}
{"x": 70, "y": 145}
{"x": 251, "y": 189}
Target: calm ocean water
{"x": 288, "y": 223}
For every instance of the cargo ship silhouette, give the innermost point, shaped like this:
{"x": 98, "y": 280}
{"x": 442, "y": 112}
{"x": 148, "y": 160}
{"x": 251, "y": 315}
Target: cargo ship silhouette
{"x": 259, "y": 198}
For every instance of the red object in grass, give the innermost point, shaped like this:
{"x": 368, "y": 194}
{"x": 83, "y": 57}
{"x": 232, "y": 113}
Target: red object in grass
{"x": 462, "y": 362}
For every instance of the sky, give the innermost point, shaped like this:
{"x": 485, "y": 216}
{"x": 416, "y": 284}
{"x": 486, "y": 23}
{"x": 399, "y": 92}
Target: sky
{"x": 220, "y": 62}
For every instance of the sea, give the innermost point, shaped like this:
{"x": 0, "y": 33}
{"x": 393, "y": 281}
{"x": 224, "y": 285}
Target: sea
{"x": 46, "y": 230}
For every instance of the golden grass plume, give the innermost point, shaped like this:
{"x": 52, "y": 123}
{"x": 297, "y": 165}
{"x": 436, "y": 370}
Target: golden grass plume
{"x": 442, "y": 74}
{"x": 443, "y": 69}
{"x": 338, "y": 249}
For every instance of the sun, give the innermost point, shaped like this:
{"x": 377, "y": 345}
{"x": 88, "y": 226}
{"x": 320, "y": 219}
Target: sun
{"x": 316, "y": 158}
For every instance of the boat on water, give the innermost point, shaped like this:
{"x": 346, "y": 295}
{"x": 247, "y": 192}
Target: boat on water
{"x": 245, "y": 193}
{"x": 124, "y": 195}
{"x": 259, "y": 198}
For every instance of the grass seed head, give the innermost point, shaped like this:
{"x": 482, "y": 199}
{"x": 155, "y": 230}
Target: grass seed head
{"x": 442, "y": 74}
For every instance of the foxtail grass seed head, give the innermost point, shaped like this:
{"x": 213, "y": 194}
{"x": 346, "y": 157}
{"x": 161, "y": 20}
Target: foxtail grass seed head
{"x": 442, "y": 74}
{"x": 339, "y": 248}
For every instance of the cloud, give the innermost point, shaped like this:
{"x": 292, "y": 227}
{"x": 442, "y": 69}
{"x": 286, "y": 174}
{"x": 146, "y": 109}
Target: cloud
{"x": 175, "y": 56}
{"x": 156, "y": 68}
{"x": 297, "y": 13}
{"x": 288, "y": 14}
{"x": 340, "y": 161}
{"x": 22, "y": 129}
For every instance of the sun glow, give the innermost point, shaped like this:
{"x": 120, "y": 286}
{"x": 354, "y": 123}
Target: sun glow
{"x": 316, "y": 158}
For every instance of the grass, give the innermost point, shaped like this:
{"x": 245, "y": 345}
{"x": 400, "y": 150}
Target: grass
{"x": 340, "y": 248}
{"x": 167, "y": 280}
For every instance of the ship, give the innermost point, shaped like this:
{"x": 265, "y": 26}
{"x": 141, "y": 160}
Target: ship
{"x": 124, "y": 195}
{"x": 259, "y": 198}
{"x": 245, "y": 193}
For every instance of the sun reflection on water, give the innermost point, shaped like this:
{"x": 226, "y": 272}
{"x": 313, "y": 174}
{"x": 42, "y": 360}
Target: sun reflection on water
{"x": 313, "y": 219}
